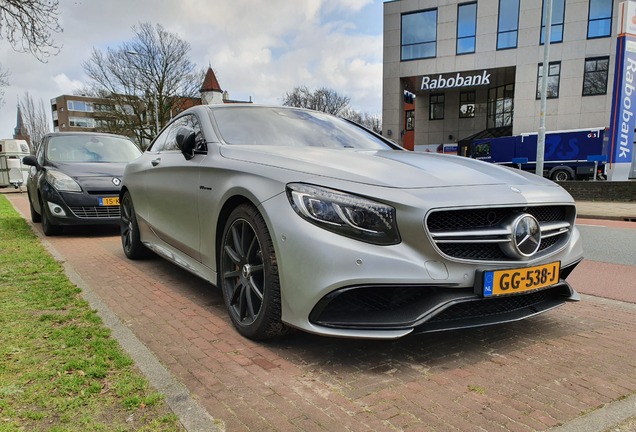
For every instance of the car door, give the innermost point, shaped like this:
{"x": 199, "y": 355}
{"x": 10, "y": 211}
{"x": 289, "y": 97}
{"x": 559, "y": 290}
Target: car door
{"x": 171, "y": 189}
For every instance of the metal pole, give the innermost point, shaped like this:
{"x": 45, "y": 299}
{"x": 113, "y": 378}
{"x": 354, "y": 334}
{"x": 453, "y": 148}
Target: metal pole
{"x": 544, "y": 88}
{"x": 156, "y": 112}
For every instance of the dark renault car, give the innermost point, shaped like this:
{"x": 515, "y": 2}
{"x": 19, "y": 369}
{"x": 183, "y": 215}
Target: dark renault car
{"x": 75, "y": 179}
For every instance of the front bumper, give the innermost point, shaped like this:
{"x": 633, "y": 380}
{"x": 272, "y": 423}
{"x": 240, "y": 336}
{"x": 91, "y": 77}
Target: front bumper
{"x": 336, "y": 286}
{"x": 79, "y": 208}
{"x": 429, "y": 308}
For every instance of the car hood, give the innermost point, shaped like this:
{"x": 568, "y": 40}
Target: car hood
{"x": 389, "y": 168}
{"x": 83, "y": 170}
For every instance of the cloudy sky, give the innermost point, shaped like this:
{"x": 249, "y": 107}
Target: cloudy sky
{"x": 257, "y": 48}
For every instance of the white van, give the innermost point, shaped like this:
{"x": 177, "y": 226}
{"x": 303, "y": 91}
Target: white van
{"x": 12, "y": 171}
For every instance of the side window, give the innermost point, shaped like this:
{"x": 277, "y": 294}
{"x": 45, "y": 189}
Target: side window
{"x": 193, "y": 123}
{"x": 40, "y": 153}
{"x": 157, "y": 144}
{"x": 167, "y": 141}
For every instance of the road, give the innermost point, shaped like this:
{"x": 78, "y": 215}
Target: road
{"x": 531, "y": 375}
{"x": 609, "y": 268}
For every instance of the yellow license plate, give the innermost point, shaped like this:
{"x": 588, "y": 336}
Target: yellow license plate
{"x": 109, "y": 201}
{"x": 513, "y": 281}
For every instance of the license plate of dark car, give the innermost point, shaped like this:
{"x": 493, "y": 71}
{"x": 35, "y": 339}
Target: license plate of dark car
{"x": 109, "y": 201}
{"x": 513, "y": 281}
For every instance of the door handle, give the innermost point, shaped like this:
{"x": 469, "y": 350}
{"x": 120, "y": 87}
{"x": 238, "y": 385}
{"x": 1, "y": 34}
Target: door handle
{"x": 155, "y": 162}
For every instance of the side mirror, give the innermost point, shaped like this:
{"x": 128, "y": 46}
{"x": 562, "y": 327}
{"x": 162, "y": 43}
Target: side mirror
{"x": 186, "y": 142}
{"x": 31, "y": 161}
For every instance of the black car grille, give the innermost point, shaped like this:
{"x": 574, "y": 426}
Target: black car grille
{"x": 479, "y": 234}
{"x": 101, "y": 212}
{"x": 492, "y": 306}
{"x": 427, "y": 308}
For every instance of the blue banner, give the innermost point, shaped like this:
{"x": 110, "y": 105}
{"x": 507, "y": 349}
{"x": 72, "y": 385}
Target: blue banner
{"x": 622, "y": 119}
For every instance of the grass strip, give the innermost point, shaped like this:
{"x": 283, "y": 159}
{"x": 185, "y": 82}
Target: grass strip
{"x": 59, "y": 368}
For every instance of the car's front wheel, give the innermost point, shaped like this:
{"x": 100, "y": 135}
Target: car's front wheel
{"x": 130, "y": 239}
{"x": 47, "y": 226}
{"x": 35, "y": 216}
{"x": 248, "y": 275}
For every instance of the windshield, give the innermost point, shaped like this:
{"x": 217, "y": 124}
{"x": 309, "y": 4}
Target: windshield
{"x": 91, "y": 148}
{"x": 291, "y": 128}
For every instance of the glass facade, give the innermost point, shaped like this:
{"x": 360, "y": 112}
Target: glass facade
{"x": 599, "y": 23}
{"x": 558, "y": 17}
{"x": 436, "y": 107}
{"x": 554, "y": 78}
{"x": 467, "y": 104}
{"x": 466, "y": 27}
{"x": 419, "y": 35}
{"x": 508, "y": 26}
{"x": 595, "y": 76}
{"x": 500, "y": 106}
{"x": 410, "y": 120}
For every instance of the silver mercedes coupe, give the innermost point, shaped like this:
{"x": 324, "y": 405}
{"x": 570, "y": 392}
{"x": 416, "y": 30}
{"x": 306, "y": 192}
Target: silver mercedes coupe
{"x": 309, "y": 221}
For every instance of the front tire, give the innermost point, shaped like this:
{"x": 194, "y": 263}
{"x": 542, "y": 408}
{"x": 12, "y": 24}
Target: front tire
{"x": 35, "y": 216}
{"x": 130, "y": 238}
{"x": 248, "y": 275}
{"x": 47, "y": 226}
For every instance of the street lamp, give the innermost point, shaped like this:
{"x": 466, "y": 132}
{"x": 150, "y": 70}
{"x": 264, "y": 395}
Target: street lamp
{"x": 154, "y": 97}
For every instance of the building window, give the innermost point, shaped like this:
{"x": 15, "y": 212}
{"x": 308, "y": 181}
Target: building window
{"x": 410, "y": 120}
{"x": 554, "y": 77}
{"x": 83, "y": 122}
{"x": 419, "y": 35}
{"x": 599, "y": 22}
{"x": 467, "y": 104}
{"x": 508, "y": 26}
{"x": 500, "y": 106}
{"x": 101, "y": 107}
{"x": 436, "y": 107}
{"x": 595, "y": 76}
{"x": 466, "y": 27}
{"x": 79, "y": 106}
{"x": 558, "y": 17}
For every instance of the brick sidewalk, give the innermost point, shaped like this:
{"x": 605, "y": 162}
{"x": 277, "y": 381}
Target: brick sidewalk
{"x": 524, "y": 376}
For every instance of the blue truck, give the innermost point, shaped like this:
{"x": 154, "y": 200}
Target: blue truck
{"x": 568, "y": 155}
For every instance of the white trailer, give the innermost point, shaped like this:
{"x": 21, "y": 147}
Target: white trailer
{"x": 12, "y": 171}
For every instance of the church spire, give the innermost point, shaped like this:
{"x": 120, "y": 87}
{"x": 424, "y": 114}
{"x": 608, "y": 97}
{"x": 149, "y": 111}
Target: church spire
{"x": 20, "y": 131}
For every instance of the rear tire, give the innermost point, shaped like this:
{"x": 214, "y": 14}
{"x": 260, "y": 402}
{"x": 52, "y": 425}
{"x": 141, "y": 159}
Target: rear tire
{"x": 130, "y": 239}
{"x": 561, "y": 175}
{"x": 248, "y": 276}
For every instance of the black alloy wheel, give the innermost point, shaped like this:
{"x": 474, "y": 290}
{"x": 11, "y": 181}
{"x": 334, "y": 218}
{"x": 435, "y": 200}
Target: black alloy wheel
{"x": 130, "y": 239}
{"x": 249, "y": 275}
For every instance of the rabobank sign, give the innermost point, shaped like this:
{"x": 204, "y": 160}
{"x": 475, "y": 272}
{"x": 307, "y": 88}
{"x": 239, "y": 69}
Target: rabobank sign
{"x": 623, "y": 122}
{"x": 436, "y": 82}
{"x": 622, "y": 116}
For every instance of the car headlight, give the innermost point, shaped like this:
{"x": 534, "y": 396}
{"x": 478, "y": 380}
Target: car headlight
{"x": 345, "y": 214}
{"x": 62, "y": 182}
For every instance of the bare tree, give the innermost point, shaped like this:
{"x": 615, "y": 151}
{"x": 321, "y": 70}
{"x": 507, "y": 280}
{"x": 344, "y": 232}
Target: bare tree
{"x": 329, "y": 101}
{"x": 4, "y": 81}
{"x": 322, "y": 99}
{"x": 145, "y": 81}
{"x": 372, "y": 122}
{"x": 35, "y": 119}
{"x": 28, "y": 25}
